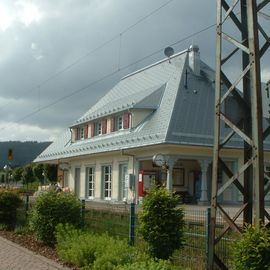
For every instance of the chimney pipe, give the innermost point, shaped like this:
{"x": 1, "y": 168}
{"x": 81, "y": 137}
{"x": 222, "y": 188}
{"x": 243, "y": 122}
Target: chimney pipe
{"x": 194, "y": 59}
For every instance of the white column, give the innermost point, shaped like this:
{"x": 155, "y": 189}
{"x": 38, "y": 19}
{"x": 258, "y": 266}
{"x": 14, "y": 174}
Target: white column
{"x": 170, "y": 164}
{"x": 204, "y": 166}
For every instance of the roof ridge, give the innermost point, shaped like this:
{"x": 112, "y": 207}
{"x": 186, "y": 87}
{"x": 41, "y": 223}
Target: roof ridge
{"x": 154, "y": 64}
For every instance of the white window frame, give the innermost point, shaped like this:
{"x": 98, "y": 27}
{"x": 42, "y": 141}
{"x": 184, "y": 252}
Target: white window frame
{"x": 123, "y": 190}
{"x": 98, "y": 128}
{"x": 120, "y": 122}
{"x": 107, "y": 181}
{"x": 90, "y": 182}
{"x": 80, "y": 133}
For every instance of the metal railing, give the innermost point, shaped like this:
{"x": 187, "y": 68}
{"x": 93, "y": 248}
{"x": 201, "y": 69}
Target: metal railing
{"x": 122, "y": 222}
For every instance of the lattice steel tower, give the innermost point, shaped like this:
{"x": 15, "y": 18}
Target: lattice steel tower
{"x": 242, "y": 41}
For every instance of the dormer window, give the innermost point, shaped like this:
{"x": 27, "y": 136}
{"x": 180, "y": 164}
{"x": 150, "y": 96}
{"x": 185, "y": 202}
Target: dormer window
{"x": 80, "y": 133}
{"x": 101, "y": 127}
{"x": 119, "y": 121}
{"x": 98, "y": 128}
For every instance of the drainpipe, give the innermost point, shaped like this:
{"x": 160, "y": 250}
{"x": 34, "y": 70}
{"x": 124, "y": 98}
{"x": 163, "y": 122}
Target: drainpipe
{"x": 132, "y": 205}
{"x": 133, "y": 172}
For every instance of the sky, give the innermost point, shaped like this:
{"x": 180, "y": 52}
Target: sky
{"x": 58, "y": 57}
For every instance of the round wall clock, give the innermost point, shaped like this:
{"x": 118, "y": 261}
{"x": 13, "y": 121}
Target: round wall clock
{"x": 159, "y": 160}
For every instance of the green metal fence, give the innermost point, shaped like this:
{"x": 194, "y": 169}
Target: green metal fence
{"x": 113, "y": 220}
{"x": 193, "y": 254}
{"x": 117, "y": 221}
{"x": 121, "y": 221}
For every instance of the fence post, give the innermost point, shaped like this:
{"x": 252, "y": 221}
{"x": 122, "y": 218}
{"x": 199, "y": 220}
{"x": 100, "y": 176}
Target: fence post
{"x": 207, "y": 232}
{"x": 132, "y": 224}
{"x": 83, "y": 212}
{"x": 27, "y": 204}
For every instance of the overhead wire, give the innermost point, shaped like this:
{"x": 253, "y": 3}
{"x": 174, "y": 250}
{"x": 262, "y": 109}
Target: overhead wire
{"x": 83, "y": 57}
{"x": 107, "y": 76}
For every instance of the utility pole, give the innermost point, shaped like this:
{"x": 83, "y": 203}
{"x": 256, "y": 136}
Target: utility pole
{"x": 239, "y": 31}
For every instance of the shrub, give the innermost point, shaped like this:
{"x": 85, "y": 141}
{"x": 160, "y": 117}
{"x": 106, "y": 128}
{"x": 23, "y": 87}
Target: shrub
{"x": 253, "y": 250}
{"x": 112, "y": 252}
{"x": 9, "y": 203}
{"x": 22, "y": 230}
{"x": 151, "y": 264}
{"x": 75, "y": 246}
{"x": 91, "y": 251}
{"x": 161, "y": 223}
{"x": 50, "y": 209}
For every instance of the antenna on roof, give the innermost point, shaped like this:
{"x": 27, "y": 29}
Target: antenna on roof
{"x": 169, "y": 52}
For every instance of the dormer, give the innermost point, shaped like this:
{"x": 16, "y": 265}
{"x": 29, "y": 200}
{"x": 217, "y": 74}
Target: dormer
{"x": 101, "y": 126}
{"x": 118, "y": 115}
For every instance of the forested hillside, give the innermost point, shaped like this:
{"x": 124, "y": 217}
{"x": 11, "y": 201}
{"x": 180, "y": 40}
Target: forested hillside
{"x": 23, "y": 152}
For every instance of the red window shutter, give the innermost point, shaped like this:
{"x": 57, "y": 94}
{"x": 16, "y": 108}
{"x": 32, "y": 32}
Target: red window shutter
{"x": 92, "y": 130}
{"x": 113, "y": 124}
{"x": 104, "y": 126}
{"x": 86, "y": 132}
{"x": 126, "y": 120}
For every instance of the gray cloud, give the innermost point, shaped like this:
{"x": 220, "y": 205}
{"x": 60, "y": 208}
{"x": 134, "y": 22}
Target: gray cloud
{"x": 68, "y": 30}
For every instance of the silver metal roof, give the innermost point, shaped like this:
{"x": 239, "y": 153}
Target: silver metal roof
{"x": 147, "y": 98}
{"x": 182, "y": 105}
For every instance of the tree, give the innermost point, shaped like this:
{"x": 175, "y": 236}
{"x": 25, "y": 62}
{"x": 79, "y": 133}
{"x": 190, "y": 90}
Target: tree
{"x": 17, "y": 174}
{"x": 50, "y": 171}
{"x": 38, "y": 170}
{"x": 162, "y": 223}
{"x": 27, "y": 175}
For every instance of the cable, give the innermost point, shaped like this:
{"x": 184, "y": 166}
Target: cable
{"x": 105, "y": 77}
{"x": 78, "y": 60}
{"x": 145, "y": 17}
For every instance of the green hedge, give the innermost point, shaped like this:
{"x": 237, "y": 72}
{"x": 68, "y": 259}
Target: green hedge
{"x": 85, "y": 249}
{"x": 253, "y": 250}
{"x": 149, "y": 265}
{"x": 9, "y": 203}
{"x": 101, "y": 252}
{"x": 49, "y": 210}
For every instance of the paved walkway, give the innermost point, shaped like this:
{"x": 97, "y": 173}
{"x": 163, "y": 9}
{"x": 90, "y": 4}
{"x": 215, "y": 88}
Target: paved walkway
{"x": 15, "y": 257}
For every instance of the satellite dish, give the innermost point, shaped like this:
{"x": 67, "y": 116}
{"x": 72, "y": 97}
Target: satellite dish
{"x": 169, "y": 51}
